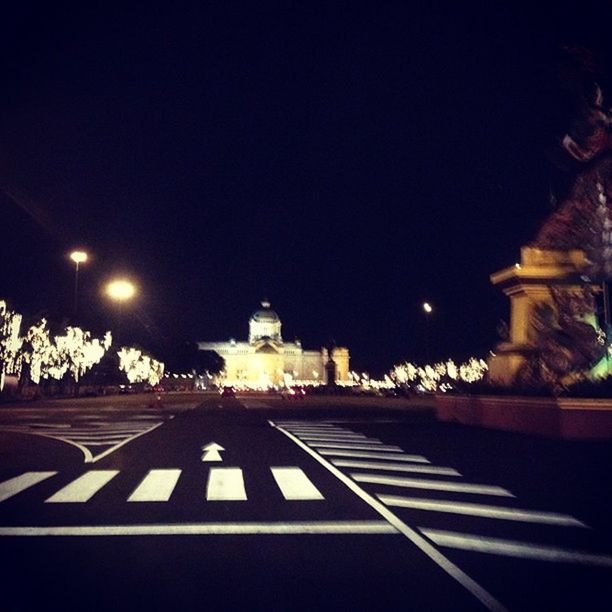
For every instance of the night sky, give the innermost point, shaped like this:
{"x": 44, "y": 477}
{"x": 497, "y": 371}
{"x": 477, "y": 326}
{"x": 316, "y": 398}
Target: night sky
{"x": 347, "y": 161}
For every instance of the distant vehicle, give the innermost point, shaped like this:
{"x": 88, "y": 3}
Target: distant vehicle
{"x": 228, "y": 392}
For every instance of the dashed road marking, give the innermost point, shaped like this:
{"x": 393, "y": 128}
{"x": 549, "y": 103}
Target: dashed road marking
{"x": 157, "y": 486}
{"x": 294, "y": 484}
{"x": 83, "y": 488}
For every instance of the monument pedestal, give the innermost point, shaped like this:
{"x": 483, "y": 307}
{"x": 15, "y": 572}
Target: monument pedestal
{"x": 528, "y": 284}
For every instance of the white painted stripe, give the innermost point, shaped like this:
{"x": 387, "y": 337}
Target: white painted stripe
{"x": 294, "y": 484}
{"x": 511, "y": 548}
{"x": 434, "y": 485}
{"x": 332, "y": 434}
{"x": 324, "y": 432}
{"x": 368, "y": 455}
{"x": 374, "y": 446}
{"x": 305, "y": 527}
{"x": 225, "y": 484}
{"x": 340, "y": 439}
{"x": 83, "y": 488}
{"x": 435, "y": 555}
{"x": 15, "y": 485}
{"x": 495, "y": 512}
{"x": 101, "y": 442}
{"x": 157, "y": 485}
{"x": 394, "y": 467}
{"x": 124, "y": 442}
{"x": 92, "y": 433}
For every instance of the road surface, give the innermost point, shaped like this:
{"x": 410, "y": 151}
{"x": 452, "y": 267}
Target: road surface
{"x": 253, "y": 503}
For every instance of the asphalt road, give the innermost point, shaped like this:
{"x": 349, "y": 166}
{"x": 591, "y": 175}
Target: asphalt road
{"x": 254, "y": 503}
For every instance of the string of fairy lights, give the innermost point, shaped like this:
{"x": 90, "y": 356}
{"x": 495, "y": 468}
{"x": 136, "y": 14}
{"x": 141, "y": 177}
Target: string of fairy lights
{"x": 45, "y": 356}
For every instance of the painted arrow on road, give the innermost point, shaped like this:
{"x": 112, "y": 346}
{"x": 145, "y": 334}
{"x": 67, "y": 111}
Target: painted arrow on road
{"x": 211, "y": 452}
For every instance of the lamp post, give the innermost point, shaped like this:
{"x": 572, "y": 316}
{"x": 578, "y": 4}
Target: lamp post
{"x": 78, "y": 257}
{"x": 120, "y": 290}
{"x": 427, "y": 309}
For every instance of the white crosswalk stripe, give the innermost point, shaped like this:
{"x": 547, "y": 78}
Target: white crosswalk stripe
{"x": 470, "y": 509}
{"x": 396, "y": 467}
{"x": 294, "y": 484}
{"x": 434, "y": 485}
{"x": 225, "y": 484}
{"x": 374, "y": 455}
{"x": 512, "y": 548}
{"x": 83, "y": 488}
{"x": 156, "y": 486}
{"x": 15, "y": 485}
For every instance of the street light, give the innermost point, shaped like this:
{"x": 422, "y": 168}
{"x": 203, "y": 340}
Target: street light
{"x": 78, "y": 257}
{"x": 120, "y": 290}
{"x": 428, "y": 309}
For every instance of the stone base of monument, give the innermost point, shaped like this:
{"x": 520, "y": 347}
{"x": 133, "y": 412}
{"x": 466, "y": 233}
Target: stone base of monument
{"x": 568, "y": 418}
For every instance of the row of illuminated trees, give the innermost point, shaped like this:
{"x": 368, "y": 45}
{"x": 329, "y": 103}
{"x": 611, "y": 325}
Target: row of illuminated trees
{"x": 35, "y": 355}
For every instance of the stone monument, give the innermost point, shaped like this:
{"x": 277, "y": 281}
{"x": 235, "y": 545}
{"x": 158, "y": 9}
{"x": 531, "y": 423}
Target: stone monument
{"x": 555, "y": 331}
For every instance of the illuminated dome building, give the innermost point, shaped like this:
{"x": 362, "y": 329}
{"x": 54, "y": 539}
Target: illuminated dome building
{"x": 265, "y": 360}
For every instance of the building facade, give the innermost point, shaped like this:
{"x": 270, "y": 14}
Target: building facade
{"x": 265, "y": 360}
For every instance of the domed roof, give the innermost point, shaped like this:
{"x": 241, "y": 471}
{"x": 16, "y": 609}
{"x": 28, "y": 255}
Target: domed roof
{"x": 265, "y": 314}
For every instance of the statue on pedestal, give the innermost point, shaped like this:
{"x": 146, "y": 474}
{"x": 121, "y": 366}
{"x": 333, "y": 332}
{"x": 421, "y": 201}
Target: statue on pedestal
{"x": 555, "y": 334}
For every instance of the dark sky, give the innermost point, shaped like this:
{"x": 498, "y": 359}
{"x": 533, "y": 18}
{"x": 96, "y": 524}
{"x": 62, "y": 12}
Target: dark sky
{"x": 345, "y": 160}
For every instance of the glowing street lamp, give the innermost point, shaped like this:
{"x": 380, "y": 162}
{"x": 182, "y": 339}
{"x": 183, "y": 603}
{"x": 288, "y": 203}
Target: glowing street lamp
{"x": 427, "y": 309}
{"x": 78, "y": 257}
{"x": 121, "y": 290}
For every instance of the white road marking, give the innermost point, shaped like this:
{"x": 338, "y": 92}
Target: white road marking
{"x": 303, "y": 527}
{"x": 335, "y": 437}
{"x": 511, "y": 548}
{"x": 294, "y": 484}
{"x": 83, "y": 488}
{"x": 20, "y": 483}
{"x": 225, "y": 484}
{"x": 211, "y": 452}
{"x": 156, "y": 486}
{"x": 434, "y": 485}
{"x": 394, "y": 467}
{"x": 495, "y": 512}
{"x": 369, "y": 455}
{"x": 435, "y": 555}
{"x": 374, "y": 446}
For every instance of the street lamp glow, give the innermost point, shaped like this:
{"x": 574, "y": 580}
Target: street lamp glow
{"x": 427, "y": 307}
{"x": 78, "y": 257}
{"x": 121, "y": 290}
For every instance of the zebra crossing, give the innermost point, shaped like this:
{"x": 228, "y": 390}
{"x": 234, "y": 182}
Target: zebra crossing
{"x": 223, "y": 484}
{"x": 94, "y": 436}
{"x": 423, "y": 495}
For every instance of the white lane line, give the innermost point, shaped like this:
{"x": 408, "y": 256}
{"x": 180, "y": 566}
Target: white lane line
{"x": 83, "y": 488}
{"x": 369, "y": 455}
{"x": 512, "y": 548}
{"x": 297, "y": 528}
{"x": 434, "y": 485}
{"x": 495, "y": 512}
{"x": 20, "y": 483}
{"x": 294, "y": 484}
{"x": 395, "y": 467}
{"x": 435, "y": 555}
{"x": 157, "y": 485}
{"x": 225, "y": 484}
{"x": 373, "y": 446}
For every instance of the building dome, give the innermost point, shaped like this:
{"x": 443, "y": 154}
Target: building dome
{"x": 265, "y": 313}
{"x": 264, "y": 324}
